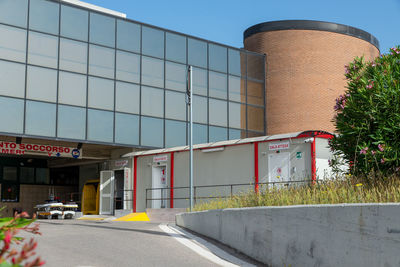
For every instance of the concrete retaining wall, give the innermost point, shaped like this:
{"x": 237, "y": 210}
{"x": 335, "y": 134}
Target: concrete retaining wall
{"x": 314, "y": 235}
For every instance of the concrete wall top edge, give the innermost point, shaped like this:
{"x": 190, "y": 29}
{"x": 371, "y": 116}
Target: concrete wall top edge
{"x": 394, "y": 204}
{"x": 311, "y": 25}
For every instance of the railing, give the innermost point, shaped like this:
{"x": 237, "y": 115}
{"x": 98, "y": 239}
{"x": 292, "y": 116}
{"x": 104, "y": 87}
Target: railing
{"x": 162, "y": 194}
{"x": 121, "y": 196}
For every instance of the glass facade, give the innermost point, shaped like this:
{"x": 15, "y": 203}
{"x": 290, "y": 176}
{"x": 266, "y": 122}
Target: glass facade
{"x": 71, "y": 73}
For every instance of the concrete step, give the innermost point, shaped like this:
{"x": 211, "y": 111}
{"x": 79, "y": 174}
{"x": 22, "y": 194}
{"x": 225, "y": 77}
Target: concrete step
{"x": 163, "y": 215}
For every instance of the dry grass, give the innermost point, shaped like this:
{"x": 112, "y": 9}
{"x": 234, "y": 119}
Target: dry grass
{"x": 327, "y": 192}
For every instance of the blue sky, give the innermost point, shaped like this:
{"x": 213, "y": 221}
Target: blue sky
{"x": 224, "y": 21}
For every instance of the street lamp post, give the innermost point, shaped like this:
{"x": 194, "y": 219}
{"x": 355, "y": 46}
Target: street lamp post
{"x": 189, "y": 101}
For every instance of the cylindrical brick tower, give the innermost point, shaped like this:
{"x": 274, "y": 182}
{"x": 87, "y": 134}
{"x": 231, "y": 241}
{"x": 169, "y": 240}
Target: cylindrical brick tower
{"x": 305, "y": 69}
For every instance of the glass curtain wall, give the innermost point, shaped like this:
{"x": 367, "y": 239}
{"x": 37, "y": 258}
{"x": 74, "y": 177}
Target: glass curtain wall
{"x": 71, "y": 73}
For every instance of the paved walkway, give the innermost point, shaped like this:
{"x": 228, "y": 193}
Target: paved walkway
{"x": 105, "y": 243}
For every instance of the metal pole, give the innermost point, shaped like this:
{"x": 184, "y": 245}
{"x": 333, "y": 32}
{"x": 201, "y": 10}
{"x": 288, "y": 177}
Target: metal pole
{"x": 191, "y": 136}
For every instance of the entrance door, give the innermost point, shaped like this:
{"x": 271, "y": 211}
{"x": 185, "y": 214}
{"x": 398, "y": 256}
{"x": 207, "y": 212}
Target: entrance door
{"x": 279, "y": 167}
{"x": 106, "y": 192}
{"x": 119, "y": 189}
{"x": 159, "y": 184}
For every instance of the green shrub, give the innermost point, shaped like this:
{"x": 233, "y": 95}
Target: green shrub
{"x": 9, "y": 228}
{"x": 368, "y": 116}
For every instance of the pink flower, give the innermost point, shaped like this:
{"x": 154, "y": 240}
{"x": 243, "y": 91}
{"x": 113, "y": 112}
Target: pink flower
{"x": 7, "y": 239}
{"x": 382, "y": 160}
{"x": 364, "y": 150}
{"x": 370, "y": 85}
{"x": 373, "y": 152}
{"x": 381, "y": 148}
{"x": 373, "y": 64}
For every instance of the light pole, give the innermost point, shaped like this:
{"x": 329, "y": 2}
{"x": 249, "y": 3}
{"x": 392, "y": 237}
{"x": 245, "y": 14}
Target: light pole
{"x": 189, "y": 101}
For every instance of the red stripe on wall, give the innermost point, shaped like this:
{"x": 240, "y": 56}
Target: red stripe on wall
{"x": 313, "y": 164}
{"x": 134, "y": 182}
{"x": 171, "y": 204}
{"x": 256, "y": 167}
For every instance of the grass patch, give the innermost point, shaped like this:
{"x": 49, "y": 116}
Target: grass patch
{"x": 324, "y": 192}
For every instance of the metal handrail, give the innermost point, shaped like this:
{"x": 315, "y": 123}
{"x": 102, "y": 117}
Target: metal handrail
{"x": 231, "y": 186}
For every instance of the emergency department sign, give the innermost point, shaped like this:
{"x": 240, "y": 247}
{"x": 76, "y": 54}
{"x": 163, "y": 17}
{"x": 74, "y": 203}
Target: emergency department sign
{"x": 12, "y": 148}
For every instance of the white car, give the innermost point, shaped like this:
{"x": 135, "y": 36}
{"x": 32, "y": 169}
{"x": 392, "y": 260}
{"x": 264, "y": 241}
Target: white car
{"x": 69, "y": 210}
{"x": 49, "y": 211}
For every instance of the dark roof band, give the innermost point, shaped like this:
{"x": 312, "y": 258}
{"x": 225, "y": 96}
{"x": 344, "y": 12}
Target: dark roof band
{"x": 311, "y": 25}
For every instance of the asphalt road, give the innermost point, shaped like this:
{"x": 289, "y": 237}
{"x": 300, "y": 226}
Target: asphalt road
{"x": 89, "y": 243}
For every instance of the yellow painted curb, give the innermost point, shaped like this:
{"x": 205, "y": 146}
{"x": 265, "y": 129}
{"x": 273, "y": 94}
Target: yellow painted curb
{"x": 90, "y": 219}
{"x": 134, "y": 217}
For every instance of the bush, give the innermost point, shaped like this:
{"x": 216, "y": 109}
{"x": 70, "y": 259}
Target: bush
{"x": 9, "y": 228}
{"x": 368, "y": 116}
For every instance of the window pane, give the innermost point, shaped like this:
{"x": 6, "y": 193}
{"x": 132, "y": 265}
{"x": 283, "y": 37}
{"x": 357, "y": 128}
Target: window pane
{"x": 101, "y": 61}
{"x": 255, "y": 119}
{"x": 128, "y": 67}
{"x": 71, "y": 122}
{"x": 74, "y": 23}
{"x": 237, "y": 115}
{"x": 255, "y": 93}
{"x": 175, "y": 47}
{"x": 152, "y": 102}
{"x": 175, "y": 133}
{"x": 175, "y": 105}
{"x": 40, "y": 118}
{"x": 128, "y": 36}
{"x": 126, "y": 129}
{"x": 100, "y": 125}
{"x": 236, "y": 134}
{"x": 237, "y": 89}
{"x": 39, "y": 90}
{"x": 43, "y": 16}
{"x": 12, "y": 43}
{"x": 127, "y": 97}
{"x": 43, "y": 50}
{"x": 217, "y": 57}
{"x": 27, "y": 175}
{"x": 152, "y": 72}
{"x": 42, "y": 176}
{"x": 218, "y": 112}
{"x": 10, "y": 192}
{"x": 73, "y": 56}
{"x": 10, "y": 173}
{"x": 197, "y": 53}
{"x": 14, "y": 123}
{"x": 218, "y": 85}
{"x": 14, "y": 12}
{"x": 218, "y": 134}
{"x": 101, "y": 93}
{"x": 152, "y": 42}
{"x": 234, "y": 61}
{"x": 12, "y": 79}
{"x": 200, "y": 109}
{"x": 152, "y": 132}
{"x": 199, "y": 133}
{"x": 199, "y": 81}
{"x": 175, "y": 76}
{"x": 102, "y": 30}
{"x": 72, "y": 89}
{"x": 255, "y": 66}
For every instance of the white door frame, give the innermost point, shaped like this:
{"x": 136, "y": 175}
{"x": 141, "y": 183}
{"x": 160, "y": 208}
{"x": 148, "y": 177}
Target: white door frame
{"x": 103, "y": 184}
{"x": 271, "y": 168}
{"x": 156, "y": 193}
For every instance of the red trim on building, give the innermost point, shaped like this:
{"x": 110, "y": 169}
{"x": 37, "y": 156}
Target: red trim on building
{"x": 171, "y": 204}
{"x": 313, "y": 164}
{"x": 256, "y": 167}
{"x": 134, "y": 182}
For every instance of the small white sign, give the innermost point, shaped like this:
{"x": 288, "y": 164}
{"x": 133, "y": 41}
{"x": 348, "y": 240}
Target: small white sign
{"x": 160, "y": 158}
{"x": 121, "y": 163}
{"x": 279, "y": 146}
